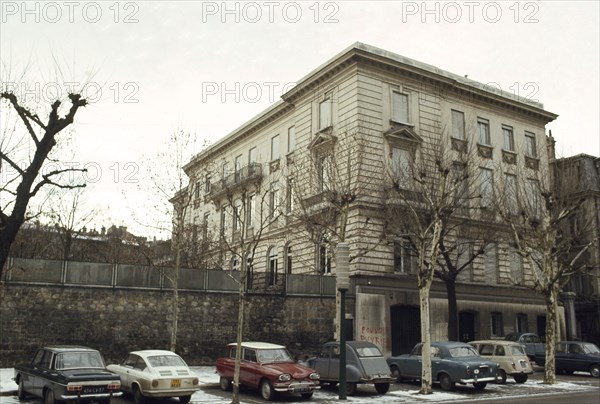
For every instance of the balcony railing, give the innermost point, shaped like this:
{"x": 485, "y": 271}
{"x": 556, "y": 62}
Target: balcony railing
{"x": 251, "y": 172}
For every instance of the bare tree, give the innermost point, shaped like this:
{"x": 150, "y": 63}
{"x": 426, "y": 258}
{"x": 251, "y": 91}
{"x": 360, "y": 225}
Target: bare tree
{"x": 426, "y": 192}
{"x": 537, "y": 209}
{"x": 39, "y": 134}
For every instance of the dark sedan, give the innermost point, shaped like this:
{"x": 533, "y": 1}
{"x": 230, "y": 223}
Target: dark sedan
{"x": 451, "y": 363}
{"x": 67, "y": 373}
{"x": 573, "y": 356}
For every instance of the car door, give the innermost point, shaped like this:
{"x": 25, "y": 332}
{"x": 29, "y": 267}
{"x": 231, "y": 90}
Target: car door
{"x": 30, "y": 380}
{"x": 125, "y": 369}
{"x": 576, "y": 358}
{"x": 42, "y": 373}
{"x": 322, "y": 362}
{"x": 561, "y": 356}
{"x": 414, "y": 363}
{"x": 249, "y": 369}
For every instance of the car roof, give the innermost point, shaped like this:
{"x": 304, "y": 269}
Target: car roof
{"x": 495, "y": 341}
{"x": 258, "y": 345}
{"x": 68, "y": 348}
{"x": 153, "y": 352}
{"x": 354, "y": 344}
{"x": 450, "y": 344}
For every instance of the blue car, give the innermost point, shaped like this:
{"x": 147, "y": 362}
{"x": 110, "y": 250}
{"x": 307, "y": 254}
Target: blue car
{"x": 451, "y": 363}
{"x": 574, "y": 356}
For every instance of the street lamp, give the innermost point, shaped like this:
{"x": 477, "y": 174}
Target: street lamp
{"x": 343, "y": 282}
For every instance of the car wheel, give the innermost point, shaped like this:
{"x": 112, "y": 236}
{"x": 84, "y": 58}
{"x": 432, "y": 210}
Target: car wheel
{"x": 396, "y": 374}
{"x": 446, "y": 383}
{"x": 479, "y": 386}
{"x": 306, "y": 396}
{"x": 595, "y": 370}
{"x": 185, "y": 399}
{"x": 502, "y": 376}
{"x": 21, "y": 393}
{"x": 48, "y": 396}
{"x": 382, "y": 388}
{"x": 520, "y": 378}
{"x": 351, "y": 388}
{"x": 138, "y": 397}
{"x": 225, "y": 383}
{"x": 266, "y": 390}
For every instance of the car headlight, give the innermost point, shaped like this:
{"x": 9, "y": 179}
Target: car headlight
{"x": 195, "y": 381}
{"x": 285, "y": 377}
{"x": 314, "y": 376}
{"x": 476, "y": 371}
{"x": 154, "y": 383}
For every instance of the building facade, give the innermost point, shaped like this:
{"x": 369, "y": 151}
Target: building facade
{"x": 277, "y": 194}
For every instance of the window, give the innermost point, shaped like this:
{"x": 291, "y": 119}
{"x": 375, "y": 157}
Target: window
{"x": 205, "y": 226}
{"x": 401, "y": 164}
{"x": 238, "y": 167}
{"x": 325, "y": 114}
{"x": 510, "y": 192}
{"x": 458, "y": 125}
{"x": 516, "y": 266}
{"x": 252, "y": 155}
{"x": 461, "y": 183}
{"x": 225, "y": 171}
{"x": 325, "y": 172}
{"x": 235, "y": 263}
{"x": 402, "y": 256}
{"x": 497, "y": 327}
{"x": 288, "y": 259}
{"x": 500, "y": 351}
{"x": 324, "y": 259}
{"x": 237, "y": 215}
{"x": 224, "y": 224}
{"x": 207, "y": 184}
{"x": 490, "y": 263}
{"x": 274, "y": 199}
{"x": 530, "y": 146}
{"x": 533, "y": 196}
{"x": 291, "y": 146}
{"x": 197, "y": 189}
{"x": 250, "y": 210}
{"x": 275, "y": 147}
{"x": 464, "y": 252}
{"x": 400, "y": 107}
{"x": 483, "y": 131}
{"x": 289, "y": 196}
{"x": 486, "y": 190}
{"x": 509, "y": 139}
{"x": 521, "y": 324}
{"x": 272, "y": 266}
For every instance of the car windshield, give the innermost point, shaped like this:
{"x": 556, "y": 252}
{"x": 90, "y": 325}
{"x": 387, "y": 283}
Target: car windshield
{"x": 462, "y": 351}
{"x": 368, "y": 352}
{"x": 274, "y": 355}
{"x": 517, "y": 350}
{"x": 590, "y": 348}
{"x": 74, "y": 360}
{"x": 512, "y": 337}
{"x": 165, "y": 360}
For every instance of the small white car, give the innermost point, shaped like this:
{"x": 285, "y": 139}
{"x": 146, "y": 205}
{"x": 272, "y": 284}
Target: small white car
{"x": 511, "y": 357}
{"x": 156, "y": 374}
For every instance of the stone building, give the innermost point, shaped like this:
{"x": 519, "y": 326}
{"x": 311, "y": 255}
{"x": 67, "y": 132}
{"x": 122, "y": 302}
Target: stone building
{"x": 265, "y": 191}
{"x": 582, "y": 173}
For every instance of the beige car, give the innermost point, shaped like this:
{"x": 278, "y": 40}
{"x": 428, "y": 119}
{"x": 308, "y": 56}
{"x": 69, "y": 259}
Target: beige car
{"x": 511, "y": 357}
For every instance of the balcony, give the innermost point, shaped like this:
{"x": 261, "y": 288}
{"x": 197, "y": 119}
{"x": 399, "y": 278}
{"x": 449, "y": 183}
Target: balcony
{"x": 248, "y": 175}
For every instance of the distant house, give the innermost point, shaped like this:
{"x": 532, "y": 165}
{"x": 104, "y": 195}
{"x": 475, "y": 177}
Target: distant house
{"x": 278, "y": 166}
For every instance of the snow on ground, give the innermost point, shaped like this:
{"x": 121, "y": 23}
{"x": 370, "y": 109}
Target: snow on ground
{"x": 209, "y": 381}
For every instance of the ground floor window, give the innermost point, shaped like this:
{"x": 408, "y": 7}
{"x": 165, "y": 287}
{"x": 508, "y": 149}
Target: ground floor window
{"x": 497, "y": 326}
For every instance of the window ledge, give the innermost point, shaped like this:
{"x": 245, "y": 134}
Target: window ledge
{"x": 459, "y": 144}
{"x": 532, "y": 162}
{"x": 509, "y": 157}
{"x": 274, "y": 165}
{"x": 394, "y": 122}
{"x": 485, "y": 150}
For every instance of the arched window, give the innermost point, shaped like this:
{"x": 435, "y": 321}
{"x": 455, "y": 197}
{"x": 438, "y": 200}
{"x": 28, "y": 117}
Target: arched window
{"x": 272, "y": 267}
{"x": 288, "y": 258}
{"x": 235, "y": 263}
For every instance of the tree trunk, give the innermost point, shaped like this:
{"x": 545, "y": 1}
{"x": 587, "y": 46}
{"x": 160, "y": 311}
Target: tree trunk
{"x": 453, "y": 332}
{"x": 7, "y": 237}
{"x": 426, "y": 377}
{"x": 235, "y": 399}
{"x": 551, "y": 337}
{"x": 175, "y": 307}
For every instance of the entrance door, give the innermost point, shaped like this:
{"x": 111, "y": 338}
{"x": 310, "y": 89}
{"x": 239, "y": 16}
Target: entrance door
{"x": 466, "y": 326}
{"x": 541, "y": 327}
{"x": 406, "y": 328}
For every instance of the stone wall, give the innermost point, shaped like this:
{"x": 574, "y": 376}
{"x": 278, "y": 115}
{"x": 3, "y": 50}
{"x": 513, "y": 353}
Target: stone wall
{"x": 117, "y": 321}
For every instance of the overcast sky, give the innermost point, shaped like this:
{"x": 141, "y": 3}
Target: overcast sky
{"x": 207, "y": 67}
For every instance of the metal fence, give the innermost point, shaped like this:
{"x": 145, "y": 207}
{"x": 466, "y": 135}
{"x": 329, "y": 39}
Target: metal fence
{"x": 89, "y": 274}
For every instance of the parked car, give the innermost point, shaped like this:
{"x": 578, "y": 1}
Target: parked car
{"x": 533, "y": 344}
{"x": 510, "y": 356}
{"x": 451, "y": 363}
{"x": 268, "y": 367}
{"x": 364, "y": 364}
{"x": 573, "y": 356}
{"x": 156, "y": 373}
{"x": 67, "y": 373}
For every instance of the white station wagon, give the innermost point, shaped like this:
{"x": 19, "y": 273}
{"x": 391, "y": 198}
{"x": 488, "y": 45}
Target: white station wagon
{"x": 510, "y": 356}
{"x": 156, "y": 373}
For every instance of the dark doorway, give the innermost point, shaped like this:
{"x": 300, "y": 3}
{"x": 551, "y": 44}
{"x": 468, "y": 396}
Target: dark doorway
{"x": 541, "y": 327}
{"x": 349, "y": 329}
{"x": 466, "y": 326}
{"x": 406, "y": 328}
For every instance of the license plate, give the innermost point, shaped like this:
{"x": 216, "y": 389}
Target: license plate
{"x": 301, "y": 390}
{"x": 93, "y": 389}
{"x": 176, "y": 383}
